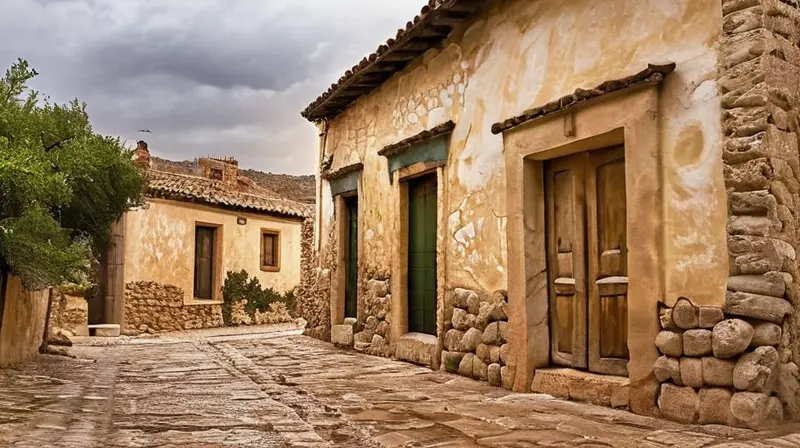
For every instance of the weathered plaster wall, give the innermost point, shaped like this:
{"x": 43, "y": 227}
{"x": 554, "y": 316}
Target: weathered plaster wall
{"x": 24, "y": 317}
{"x": 159, "y": 245}
{"x": 521, "y": 54}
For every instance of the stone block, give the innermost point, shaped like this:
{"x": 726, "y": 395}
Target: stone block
{"x": 749, "y": 408}
{"x": 465, "y": 366}
{"x": 757, "y": 371}
{"x": 666, "y": 369}
{"x": 718, "y": 372}
{"x": 715, "y": 406}
{"x": 697, "y": 342}
{"x": 710, "y": 316}
{"x": 416, "y": 348}
{"x": 771, "y": 309}
{"x": 505, "y": 353}
{"x": 494, "y": 375}
{"x": 471, "y": 340}
{"x": 482, "y": 352}
{"x": 665, "y": 319}
{"x": 480, "y": 370}
{"x": 691, "y": 372}
{"x": 494, "y": 354}
{"x": 342, "y": 335}
{"x": 452, "y": 340}
{"x": 685, "y": 315}
{"x": 766, "y": 333}
{"x": 462, "y": 320}
{"x": 495, "y": 333}
{"x": 680, "y": 404}
{"x": 350, "y": 321}
{"x": 452, "y": 360}
{"x": 581, "y": 386}
{"x": 670, "y": 343}
{"x": 731, "y": 337}
{"x": 765, "y": 285}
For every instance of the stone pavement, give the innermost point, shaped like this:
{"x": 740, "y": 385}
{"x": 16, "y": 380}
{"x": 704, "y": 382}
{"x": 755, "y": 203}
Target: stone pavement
{"x": 279, "y": 389}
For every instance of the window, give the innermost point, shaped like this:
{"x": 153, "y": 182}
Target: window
{"x": 215, "y": 174}
{"x": 204, "y": 245}
{"x": 270, "y": 250}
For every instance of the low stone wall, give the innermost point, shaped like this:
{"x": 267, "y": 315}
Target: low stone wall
{"x": 722, "y": 365}
{"x": 69, "y": 315}
{"x": 154, "y": 307}
{"x": 375, "y": 336}
{"x": 475, "y": 341}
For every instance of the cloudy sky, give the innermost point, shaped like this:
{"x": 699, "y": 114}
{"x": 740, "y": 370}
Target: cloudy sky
{"x": 207, "y": 77}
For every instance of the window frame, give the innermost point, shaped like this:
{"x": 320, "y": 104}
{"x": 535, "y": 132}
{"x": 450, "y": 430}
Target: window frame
{"x": 276, "y": 234}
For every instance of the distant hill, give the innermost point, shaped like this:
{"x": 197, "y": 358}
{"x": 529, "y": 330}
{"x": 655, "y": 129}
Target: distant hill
{"x": 297, "y": 188}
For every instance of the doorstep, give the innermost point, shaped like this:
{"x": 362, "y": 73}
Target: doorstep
{"x": 569, "y": 384}
{"x": 418, "y": 348}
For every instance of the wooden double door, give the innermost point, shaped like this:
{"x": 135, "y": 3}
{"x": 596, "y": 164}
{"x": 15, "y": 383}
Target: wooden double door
{"x": 587, "y": 260}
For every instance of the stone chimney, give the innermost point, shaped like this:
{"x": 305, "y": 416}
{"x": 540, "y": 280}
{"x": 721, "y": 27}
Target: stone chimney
{"x": 224, "y": 169}
{"x": 141, "y": 156}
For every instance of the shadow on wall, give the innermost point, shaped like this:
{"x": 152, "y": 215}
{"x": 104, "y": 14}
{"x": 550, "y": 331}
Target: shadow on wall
{"x": 23, "y": 321}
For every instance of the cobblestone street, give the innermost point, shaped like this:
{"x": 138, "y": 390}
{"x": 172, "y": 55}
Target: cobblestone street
{"x": 283, "y": 390}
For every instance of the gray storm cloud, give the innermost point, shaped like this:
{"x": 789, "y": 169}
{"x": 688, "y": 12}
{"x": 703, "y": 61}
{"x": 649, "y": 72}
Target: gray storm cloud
{"x": 219, "y": 77}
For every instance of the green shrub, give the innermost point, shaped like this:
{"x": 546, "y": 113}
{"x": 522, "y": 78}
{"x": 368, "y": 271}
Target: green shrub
{"x": 239, "y": 286}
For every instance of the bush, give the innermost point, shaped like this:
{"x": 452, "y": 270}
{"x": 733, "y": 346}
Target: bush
{"x": 237, "y": 287}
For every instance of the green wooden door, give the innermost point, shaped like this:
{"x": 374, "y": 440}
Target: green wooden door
{"x": 422, "y": 255}
{"x": 351, "y": 259}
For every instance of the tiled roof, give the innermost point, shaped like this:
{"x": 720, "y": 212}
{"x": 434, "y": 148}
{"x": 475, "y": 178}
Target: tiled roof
{"x": 653, "y": 74}
{"x": 427, "y": 30}
{"x": 295, "y": 188}
{"x": 183, "y": 187}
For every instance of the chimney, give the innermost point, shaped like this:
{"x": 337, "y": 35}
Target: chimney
{"x": 225, "y": 169}
{"x": 141, "y": 156}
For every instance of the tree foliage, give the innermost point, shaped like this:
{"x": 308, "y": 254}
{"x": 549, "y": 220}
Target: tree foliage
{"x": 62, "y": 185}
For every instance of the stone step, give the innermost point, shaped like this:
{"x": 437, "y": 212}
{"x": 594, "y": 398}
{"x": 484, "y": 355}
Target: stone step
{"x": 104, "y": 330}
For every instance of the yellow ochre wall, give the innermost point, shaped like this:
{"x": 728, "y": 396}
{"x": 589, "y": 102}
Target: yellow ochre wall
{"x": 520, "y": 54}
{"x": 159, "y": 245}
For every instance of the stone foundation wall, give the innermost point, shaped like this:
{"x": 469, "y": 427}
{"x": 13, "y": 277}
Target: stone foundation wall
{"x": 373, "y": 332}
{"x": 69, "y": 315}
{"x": 475, "y": 341}
{"x": 153, "y": 307}
{"x": 759, "y": 79}
{"x": 313, "y": 294}
{"x": 721, "y": 365}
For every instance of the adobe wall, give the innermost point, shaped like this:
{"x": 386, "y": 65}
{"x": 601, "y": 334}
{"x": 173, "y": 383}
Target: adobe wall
{"x": 737, "y": 364}
{"x": 160, "y": 240}
{"x": 522, "y": 54}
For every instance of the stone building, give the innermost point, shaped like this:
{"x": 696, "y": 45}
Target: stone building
{"x": 597, "y": 200}
{"x": 201, "y": 220}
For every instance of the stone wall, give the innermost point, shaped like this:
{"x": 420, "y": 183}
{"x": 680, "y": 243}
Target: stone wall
{"x": 721, "y": 365}
{"x": 475, "y": 341}
{"x": 738, "y": 365}
{"x": 313, "y": 294}
{"x": 69, "y": 314}
{"x": 374, "y": 336}
{"x": 153, "y": 307}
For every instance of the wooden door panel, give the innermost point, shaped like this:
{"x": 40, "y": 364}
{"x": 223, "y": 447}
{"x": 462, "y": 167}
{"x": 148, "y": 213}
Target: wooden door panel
{"x": 566, "y": 259}
{"x": 422, "y": 217}
{"x": 608, "y": 268}
{"x": 204, "y": 263}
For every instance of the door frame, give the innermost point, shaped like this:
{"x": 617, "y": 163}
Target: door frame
{"x": 216, "y": 263}
{"x": 630, "y": 118}
{"x": 399, "y": 307}
{"x": 339, "y": 275}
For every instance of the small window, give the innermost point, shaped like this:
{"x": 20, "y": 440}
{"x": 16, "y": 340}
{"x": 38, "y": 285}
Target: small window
{"x": 215, "y": 174}
{"x": 270, "y": 250}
